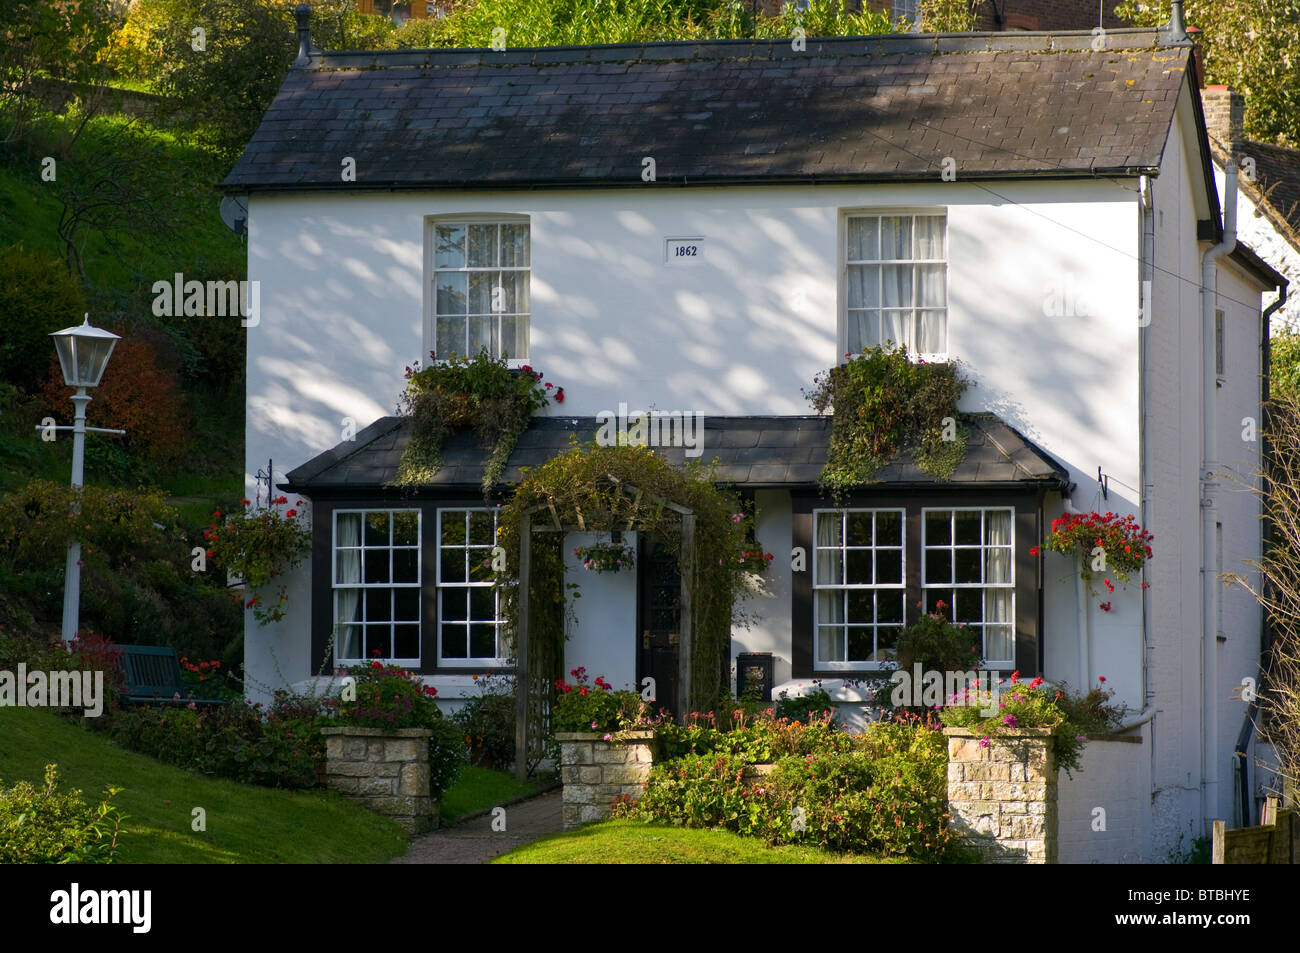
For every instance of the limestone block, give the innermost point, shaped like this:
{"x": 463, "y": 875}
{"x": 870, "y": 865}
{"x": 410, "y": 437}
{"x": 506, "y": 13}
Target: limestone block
{"x": 591, "y": 812}
{"x": 589, "y": 774}
{"x": 354, "y": 749}
{"x": 402, "y": 749}
{"x": 605, "y": 753}
{"x": 344, "y": 785}
{"x": 381, "y": 787}
{"x": 415, "y": 779}
{"x": 353, "y": 769}
{"x": 956, "y": 772}
{"x": 571, "y": 774}
{"x": 385, "y": 769}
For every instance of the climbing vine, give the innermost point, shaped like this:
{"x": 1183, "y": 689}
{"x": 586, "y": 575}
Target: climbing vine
{"x": 627, "y": 488}
{"x": 884, "y": 404}
{"x": 480, "y": 392}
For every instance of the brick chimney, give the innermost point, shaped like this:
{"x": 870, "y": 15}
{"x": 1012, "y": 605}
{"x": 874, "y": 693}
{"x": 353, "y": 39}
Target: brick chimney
{"x": 1225, "y": 110}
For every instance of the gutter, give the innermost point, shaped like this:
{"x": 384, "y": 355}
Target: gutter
{"x": 1210, "y": 567}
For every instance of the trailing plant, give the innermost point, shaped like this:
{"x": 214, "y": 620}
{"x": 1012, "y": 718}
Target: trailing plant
{"x": 628, "y": 488}
{"x": 1107, "y": 544}
{"x": 883, "y": 404}
{"x": 480, "y": 392}
{"x": 606, "y": 557}
{"x": 260, "y": 546}
{"x": 1068, "y": 718}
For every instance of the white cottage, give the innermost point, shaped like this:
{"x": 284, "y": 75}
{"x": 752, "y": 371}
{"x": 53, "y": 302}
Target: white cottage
{"x": 1042, "y": 211}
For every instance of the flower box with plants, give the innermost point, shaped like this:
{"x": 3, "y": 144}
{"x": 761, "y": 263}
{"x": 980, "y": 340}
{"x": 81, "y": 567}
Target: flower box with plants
{"x": 1066, "y": 718}
{"x": 260, "y": 546}
{"x": 482, "y": 392}
{"x": 586, "y": 707}
{"x": 1108, "y": 544}
{"x": 606, "y": 557}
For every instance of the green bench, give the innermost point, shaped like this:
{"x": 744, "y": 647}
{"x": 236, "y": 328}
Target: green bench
{"x": 153, "y": 676}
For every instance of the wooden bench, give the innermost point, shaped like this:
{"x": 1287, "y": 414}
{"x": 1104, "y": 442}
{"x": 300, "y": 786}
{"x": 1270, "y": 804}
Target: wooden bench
{"x": 153, "y": 676}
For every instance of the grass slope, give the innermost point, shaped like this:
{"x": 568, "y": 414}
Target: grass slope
{"x": 245, "y": 824}
{"x": 632, "y": 842}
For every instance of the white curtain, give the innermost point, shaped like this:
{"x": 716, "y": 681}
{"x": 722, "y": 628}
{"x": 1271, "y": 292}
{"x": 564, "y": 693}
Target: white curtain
{"x": 348, "y": 601}
{"x": 997, "y": 570}
{"x": 830, "y": 562}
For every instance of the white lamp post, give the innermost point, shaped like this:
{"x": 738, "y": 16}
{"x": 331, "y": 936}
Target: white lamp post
{"x": 83, "y": 355}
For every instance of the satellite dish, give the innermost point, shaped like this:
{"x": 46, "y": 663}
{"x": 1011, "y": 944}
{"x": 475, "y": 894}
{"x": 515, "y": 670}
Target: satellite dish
{"x": 234, "y": 212}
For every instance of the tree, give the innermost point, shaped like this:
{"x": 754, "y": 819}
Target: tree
{"x": 1278, "y": 586}
{"x": 1252, "y": 46}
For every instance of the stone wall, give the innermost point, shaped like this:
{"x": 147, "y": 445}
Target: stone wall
{"x": 596, "y": 772}
{"x": 1003, "y": 798}
{"x": 388, "y": 773}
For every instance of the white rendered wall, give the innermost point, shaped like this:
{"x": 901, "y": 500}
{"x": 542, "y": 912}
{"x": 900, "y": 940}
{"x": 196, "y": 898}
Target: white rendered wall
{"x": 1104, "y": 810}
{"x": 601, "y": 632}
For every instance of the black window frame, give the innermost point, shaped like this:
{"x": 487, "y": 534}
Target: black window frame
{"x": 1027, "y": 520}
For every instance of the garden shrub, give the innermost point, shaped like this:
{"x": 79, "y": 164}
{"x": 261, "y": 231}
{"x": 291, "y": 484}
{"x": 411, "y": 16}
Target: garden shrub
{"x": 581, "y": 705}
{"x": 804, "y": 707}
{"x": 936, "y": 645}
{"x": 488, "y": 723}
{"x": 45, "y": 826}
{"x": 884, "y": 791}
{"x": 38, "y": 296}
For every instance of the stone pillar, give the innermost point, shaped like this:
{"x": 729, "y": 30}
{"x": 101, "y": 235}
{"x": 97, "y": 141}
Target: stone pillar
{"x": 1002, "y": 799}
{"x": 388, "y": 773}
{"x": 596, "y": 772}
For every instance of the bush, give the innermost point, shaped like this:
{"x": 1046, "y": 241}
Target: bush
{"x": 275, "y": 748}
{"x": 488, "y": 723}
{"x": 935, "y": 644}
{"x": 37, "y": 297}
{"x": 884, "y": 791}
{"x": 583, "y": 706}
{"x": 804, "y": 707}
{"x": 43, "y": 826}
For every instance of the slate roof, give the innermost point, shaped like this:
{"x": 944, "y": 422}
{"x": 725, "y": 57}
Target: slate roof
{"x": 847, "y": 109}
{"x": 753, "y": 452}
{"x": 1276, "y": 189}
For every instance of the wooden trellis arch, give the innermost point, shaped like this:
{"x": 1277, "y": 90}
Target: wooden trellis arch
{"x": 526, "y": 683}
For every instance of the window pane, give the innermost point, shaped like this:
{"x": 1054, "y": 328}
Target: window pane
{"x": 887, "y": 642}
{"x": 931, "y": 332}
{"x": 830, "y": 607}
{"x": 970, "y": 605}
{"x": 863, "y": 330}
{"x": 514, "y": 246}
{"x": 379, "y": 605}
{"x": 930, "y": 236}
{"x": 482, "y": 246}
{"x": 931, "y": 287}
{"x": 482, "y": 603}
{"x": 455, "y": 640}
{"x": 896, "y": 286}
{"x": 514, "y": 337}
{"x": 862, "y": 607}
{"x": 863, "y": 286}
{"x": 863, "y": 245}
{"x": 482, "y": 527}
{"x": 967, "y": 566}
{"x": 449, "y": 248}
{"x": 481, "y": 284}
{"x": 859, "y": 529}
{"x": 406, "y": 641}
{"x": 938, "y": 532}
{"x": 967, "y": 528}
{"x": 997, "y": 565}
{"x": 347, "y": 566}
{"x": 450, "y": 336}
{"x": 480, "y": 565}
{"x": 483, "y": 641}
{"x": 889, "y": 566}
{"x": 348, "y": 641}
{"x": 938, "y": 566}
{"x": 860, "y": 647}
{"x": 379, "y": 638}
{"x": 406, "y": 565}
{"x": 377, "y": 566}
{"x": 453, "y": 527}
{"x": 889, "y": 529}
{"x": 514, "y": 297}
{"x": 895, "y": 237}
{"x": 377, "y": 529}
{"x": 830, "y": 644}
{"x": 406, "y": 529}
{"x": 451, "y": 292}
{"x": 857, "y": 568}
{"x": 830, "y": 567}
{"x": 894, "y": 328}
{"x": 455, "y": 604}
{"x": 889, "y": 606}
{"x": 483, "y": 335}
{"x": 998, "y": 642}
{"x": 406, "y": 605}
{"x": 453, "y": 565}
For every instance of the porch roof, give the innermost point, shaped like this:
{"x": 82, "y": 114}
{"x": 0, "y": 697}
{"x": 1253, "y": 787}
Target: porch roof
{"x": 753, "y": 452}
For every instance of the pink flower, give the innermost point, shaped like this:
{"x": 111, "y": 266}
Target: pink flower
{"x": 984, "y": 742}
{"x": 737, "y": 517}
{"x": 593, "y": 725}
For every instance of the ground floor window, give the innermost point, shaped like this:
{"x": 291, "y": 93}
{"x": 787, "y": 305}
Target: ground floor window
{"x": 469, "y": 607}
{"x": 967, "y": 565}
{"x": 377, "y": 585}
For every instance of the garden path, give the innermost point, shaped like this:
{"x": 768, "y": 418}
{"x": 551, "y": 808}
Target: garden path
{"x": 475, "y": 842}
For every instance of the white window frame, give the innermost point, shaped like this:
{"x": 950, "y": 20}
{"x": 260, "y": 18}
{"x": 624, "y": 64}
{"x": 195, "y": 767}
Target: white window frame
{"x": 431, "y": 224}
{"x": 819, "y": 663}
{"x": 469, "y": 662}
{"x": 952, "y": 547}
{"x": 846, "y": 215}
{"x": 363, "y": 586}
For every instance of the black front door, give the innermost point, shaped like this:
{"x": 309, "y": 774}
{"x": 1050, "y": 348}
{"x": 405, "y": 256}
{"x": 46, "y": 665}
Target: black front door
{"x": 659, "y": 593}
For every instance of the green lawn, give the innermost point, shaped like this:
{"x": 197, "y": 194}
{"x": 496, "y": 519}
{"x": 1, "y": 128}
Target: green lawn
{"x": 479, "y": 788}
{"x": 245, "y": 824}
{"x": 633, "y": 842}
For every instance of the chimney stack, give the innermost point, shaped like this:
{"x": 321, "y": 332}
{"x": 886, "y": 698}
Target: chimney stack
{"x": 302, "y": 13}
{"x": 1225, "y": 112}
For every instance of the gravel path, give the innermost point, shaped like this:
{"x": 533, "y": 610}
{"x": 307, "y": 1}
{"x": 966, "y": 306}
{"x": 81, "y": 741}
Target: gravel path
{"x": 475, "y": 842}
